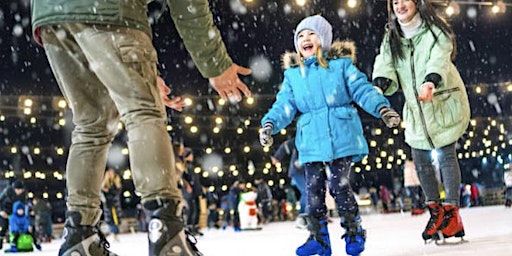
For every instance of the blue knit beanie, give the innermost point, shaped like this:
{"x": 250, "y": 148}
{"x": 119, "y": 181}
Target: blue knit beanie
{"x": 320, "y": 26}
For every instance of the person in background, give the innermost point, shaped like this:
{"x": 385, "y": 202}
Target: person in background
{"x": 111, "y": 190}
{"x": 475, "y": 195}
{"x": 295, "y": 169}
{"x": 234, "y": 197}
{"x": 19, "y": 224}
{"x": 507, "y": 176}
{"x": 13, "y": 193}
{"x": 374, "y": 196}
{"x": 264, "y": 200}
{"x": 385, "y": 197}
{"x": 226, "y": 207}
{"x": 193, "y": 192}
{"x": 43, "y": 219}
{"x": 413, "y": 188}
{"x": 212, "y": 201}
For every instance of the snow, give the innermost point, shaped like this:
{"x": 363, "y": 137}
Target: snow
{"x": 488, "y": 230}
{"x": 261, "y": 68}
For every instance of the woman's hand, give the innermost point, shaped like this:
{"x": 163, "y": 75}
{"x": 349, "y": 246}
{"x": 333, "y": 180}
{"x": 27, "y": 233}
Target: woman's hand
{"x": 426, "y": 92}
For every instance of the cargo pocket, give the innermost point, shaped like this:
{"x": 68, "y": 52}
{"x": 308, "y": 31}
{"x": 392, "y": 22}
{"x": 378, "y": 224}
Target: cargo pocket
{"x": 447, "y": 107}
{"x": 140, "y": 61}
{"x": 143, "y": 61}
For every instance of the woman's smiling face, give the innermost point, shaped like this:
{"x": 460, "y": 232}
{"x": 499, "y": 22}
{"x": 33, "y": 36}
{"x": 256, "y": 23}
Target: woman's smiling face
{"x": 404, "y": 10}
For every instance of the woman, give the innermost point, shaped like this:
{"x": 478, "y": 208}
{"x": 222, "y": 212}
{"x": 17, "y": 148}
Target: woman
{"x": 416, "y": 54}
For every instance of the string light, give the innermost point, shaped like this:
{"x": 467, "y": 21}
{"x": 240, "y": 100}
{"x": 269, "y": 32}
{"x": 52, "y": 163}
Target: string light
{"x": 188, "y": 101}
{"x": 28, "y": 103}
{"x": 62, "y": 104}
{"x": 300, "y": 2}
{"x": 352, "y": 3}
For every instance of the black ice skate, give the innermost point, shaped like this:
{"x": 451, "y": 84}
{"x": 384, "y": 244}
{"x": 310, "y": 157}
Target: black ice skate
{"x": 166, "y": 233}
{"x": 80, "y": 240}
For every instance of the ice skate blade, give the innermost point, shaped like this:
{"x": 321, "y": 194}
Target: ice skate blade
{"x": 444, "y": 242}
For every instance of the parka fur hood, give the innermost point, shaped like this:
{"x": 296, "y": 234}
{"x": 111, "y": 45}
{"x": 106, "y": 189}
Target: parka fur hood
{"x": 339, "y": 49}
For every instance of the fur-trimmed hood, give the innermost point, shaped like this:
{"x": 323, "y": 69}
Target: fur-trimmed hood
{"x": 338, "y": 49}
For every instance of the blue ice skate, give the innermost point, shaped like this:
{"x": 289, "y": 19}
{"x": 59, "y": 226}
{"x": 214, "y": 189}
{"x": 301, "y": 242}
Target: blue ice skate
{"x": 318, "y": 242}
{"x": 354, "y": 241}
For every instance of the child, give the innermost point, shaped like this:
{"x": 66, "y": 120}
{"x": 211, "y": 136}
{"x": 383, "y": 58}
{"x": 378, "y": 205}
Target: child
{"x": 416, "y": 53}
{"x": 321, "y": 83}
{"x": 19, "y": 224}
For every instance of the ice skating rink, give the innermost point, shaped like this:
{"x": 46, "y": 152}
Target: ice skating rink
{"x": 488, "y": 230}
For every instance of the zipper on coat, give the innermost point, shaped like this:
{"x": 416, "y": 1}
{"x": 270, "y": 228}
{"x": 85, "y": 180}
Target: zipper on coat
{"x": 423, "y": 122}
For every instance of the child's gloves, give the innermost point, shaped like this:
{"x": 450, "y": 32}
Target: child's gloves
{"x": 266, "y": 139}
{"x": 390, "y": 117}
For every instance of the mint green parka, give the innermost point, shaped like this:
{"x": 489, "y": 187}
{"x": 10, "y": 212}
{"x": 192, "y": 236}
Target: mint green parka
{"x": 435, "y": 124}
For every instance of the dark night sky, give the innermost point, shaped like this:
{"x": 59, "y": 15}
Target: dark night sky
{"x": 266, "y": 29}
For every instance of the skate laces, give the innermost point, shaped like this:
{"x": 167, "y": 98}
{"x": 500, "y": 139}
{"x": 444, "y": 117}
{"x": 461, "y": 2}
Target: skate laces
{"x": 192, "y": 241}
{"x": 434, "y": 216}
{"x": 103, "y": 243}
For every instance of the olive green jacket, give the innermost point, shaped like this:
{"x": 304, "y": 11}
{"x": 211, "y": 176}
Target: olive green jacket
{"x": 442, "y": 121}
{"x": 192, "y": 18}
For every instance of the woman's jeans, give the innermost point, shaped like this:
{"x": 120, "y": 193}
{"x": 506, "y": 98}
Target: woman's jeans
{"x": 450, "y": 172}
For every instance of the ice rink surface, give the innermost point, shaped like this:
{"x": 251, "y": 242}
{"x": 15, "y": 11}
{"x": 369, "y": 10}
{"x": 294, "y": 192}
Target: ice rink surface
{"x": 488, "y": 232}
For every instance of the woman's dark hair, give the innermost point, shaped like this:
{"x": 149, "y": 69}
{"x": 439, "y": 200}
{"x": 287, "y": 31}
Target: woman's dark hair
{"x": 428, "y": 15}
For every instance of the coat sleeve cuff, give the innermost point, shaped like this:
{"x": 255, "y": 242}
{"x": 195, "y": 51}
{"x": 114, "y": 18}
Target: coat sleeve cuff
{"x": 434, "y": 78}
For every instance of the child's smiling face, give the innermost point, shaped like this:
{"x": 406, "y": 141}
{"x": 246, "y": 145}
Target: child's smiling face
{"x": 308, "y": 42}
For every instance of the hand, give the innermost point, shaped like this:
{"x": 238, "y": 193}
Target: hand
{"x": 4, "y": 214}
{"x": 390, "y": 117}
{"x": 176, "y": 103}
{"x": 274, "y": 160}
{"x": 266, "y": 139}
{"x": 426, "y": 92}
{"x": 229, "y": 85}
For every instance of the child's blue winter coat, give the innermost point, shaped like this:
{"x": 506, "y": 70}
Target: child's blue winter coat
{"x": 17, "y": 223}
{"x": 329, "y": 127}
